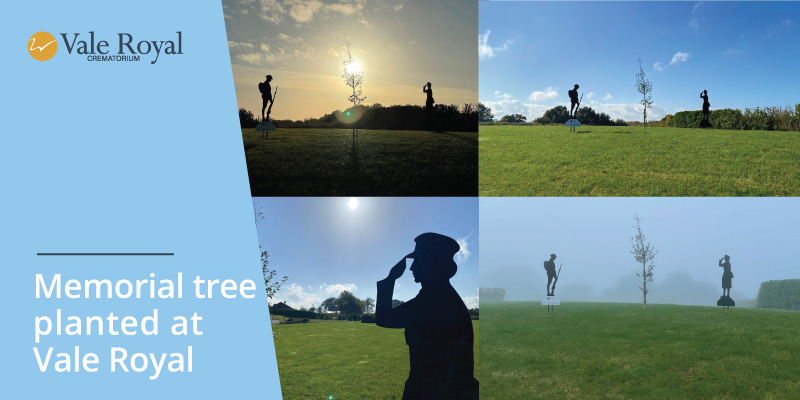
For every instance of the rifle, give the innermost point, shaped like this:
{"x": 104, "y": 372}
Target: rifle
{"x": 576, "y": 115}
{"x": 269, "y": 110}
{"x": 553, "y": 290}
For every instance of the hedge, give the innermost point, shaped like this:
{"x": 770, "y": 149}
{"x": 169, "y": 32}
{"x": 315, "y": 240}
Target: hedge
{"x": 492, "y": 294}
{"x": 719, "y": 119}
{"x": 783, "y": 294}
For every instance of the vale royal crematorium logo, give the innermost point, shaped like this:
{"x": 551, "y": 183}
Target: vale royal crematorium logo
{"x": 42, "y": 46}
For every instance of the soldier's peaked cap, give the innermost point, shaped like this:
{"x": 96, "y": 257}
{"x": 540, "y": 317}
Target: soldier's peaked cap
{"x": 434, "y": 245}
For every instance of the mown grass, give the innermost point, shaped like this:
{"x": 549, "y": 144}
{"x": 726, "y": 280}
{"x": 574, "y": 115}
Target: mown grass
{"x": 325, "y": 162}
{"x": 620, "y": 351}
{"x": 531, "y": 160}
{"x": 345, "y": 360}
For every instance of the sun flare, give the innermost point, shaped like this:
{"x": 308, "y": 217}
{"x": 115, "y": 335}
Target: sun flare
{"x": 353, "y": 203}
{"x": 354, "y": 67}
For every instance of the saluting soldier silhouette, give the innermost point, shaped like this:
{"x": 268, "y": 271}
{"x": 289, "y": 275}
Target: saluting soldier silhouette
{"x": 727, "y": 275}
{"x": 706, "y": 104}
{"x": 438, "y": 328}
{"x": 428, "y": 101}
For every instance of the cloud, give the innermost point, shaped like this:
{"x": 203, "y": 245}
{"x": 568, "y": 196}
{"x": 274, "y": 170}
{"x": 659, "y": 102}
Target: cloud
{"x": 232, "y": 45}
{"x": 463, "y": 252}
{"x": 732, "y": 52}
{"x": 470, "y": 302}
{"x": 365, "y": 23}
{"x": 296, "y": 295}
{"x": 658, "y": 66}
{"x": 607, "y": 97}
{"x": 549, "y": 93}
{"x": 679, "y": 57}
{"x": 781, "y": 26}
{"x": 505, "y": 104}
{"x": 303, "y": 10}
{"x": 398, "y": 7}
{"x": 629, "y": 112}
{"x": 344, "y": 9}
{"x": 486, "y": 51}
{"x": 589, "y": 95}
{"x": 271, "y": 10}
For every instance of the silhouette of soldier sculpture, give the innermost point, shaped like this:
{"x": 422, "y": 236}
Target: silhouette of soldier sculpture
{"x": 550, "y": 267}
{"x": 725, "y": 300}
{"x": 574, "y": 102}
{"x": 438, "y": 328}
{"x": 428, "y": 101}
{"x": 706, "y": 105}
{"x": 266, "y": 94}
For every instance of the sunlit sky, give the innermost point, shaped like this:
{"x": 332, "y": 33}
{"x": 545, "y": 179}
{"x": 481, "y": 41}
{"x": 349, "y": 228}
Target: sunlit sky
{"x": 592, "y": 238}
{"x": 400, "y": 45}
{"x": 326, "y": 245}
{"x": 744, "y": 53}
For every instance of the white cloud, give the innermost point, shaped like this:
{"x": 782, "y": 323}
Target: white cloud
{"x": 365, "y": 23}
{"x": 505, "y": 104}
{"x": 658, "y": 66}
{"x": 335, "y": 289}
{"x": 607, "y": 97}
{"x": 303, "y": 10}
{"x": 486, "y": 51}
{"x": 398, "y": 7}
{"x": 589, "y": 95}
{"x": 297, "y": 296}
{"x": 679, "y": 57}
{"x": 470, "y": 302}
{"x": 463, "y": 252}
{"x": 782, "y": 26}
{"x": 549, "y": 93}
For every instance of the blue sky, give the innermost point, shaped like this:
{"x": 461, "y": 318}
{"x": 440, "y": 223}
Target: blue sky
{"x": 591, "y": 237}
{"x": 324, "y": 246}
{"x": 746, "y": 54}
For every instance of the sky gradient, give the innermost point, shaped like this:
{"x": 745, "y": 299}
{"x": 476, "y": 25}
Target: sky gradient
{"x": 744, "y": 53}
{"x": 324, "y": 246}
{"x": 592, "y": 238}
{"x": 400, "y": 45}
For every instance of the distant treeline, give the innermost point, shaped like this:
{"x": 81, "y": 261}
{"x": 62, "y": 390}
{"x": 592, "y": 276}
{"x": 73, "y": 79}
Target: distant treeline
{"x": 407, "y": 117}
{"x": 783, "y": 294}
{"x": 559, "y": 115}
{"x": 491, "y": 295}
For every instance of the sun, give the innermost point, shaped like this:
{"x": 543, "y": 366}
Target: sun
{"x": 353, "y": 203}
{"x": 353, "y": 68}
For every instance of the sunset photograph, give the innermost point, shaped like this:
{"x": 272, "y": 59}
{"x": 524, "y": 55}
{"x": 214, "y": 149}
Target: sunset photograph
{"x": 356, "y": 98}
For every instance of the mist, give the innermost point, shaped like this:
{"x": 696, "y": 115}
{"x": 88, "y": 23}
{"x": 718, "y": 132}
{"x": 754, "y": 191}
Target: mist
{"x": 592, "y": 238}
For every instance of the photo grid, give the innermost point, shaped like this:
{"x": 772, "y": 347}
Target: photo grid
{"x": 612, "y": 183}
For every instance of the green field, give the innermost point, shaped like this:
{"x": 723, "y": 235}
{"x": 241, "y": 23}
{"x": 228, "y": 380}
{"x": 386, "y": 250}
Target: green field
{"x": 620, "y": 351}
{"x": 325, "y": 162}
{"x": 527, "y": 160}
{"x": 345, "y": 360}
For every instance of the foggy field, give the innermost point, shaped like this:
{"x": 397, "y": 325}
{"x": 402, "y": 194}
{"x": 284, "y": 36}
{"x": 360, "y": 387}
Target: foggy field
{"x": 324, "y": 162}
{"x": 531, "y": 160}
{"x": 345, "y": 360}
{"x": 620, "y": 351}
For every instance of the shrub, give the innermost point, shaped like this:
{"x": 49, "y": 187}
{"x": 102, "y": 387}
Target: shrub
{"x": 297, "y": 314}
{"x": 368, "y": 318}
{"x": 492, "y": 294}
{"x": 784, "y": 294}
{"x": 719, "y": 119}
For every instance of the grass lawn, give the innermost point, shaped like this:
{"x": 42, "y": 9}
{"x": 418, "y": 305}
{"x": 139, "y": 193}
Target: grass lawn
{"x": 528, "y": 160}
{"x": 345, "y": 360}
{"x": 324, "y": 162}
{"x": 620, "y": 351}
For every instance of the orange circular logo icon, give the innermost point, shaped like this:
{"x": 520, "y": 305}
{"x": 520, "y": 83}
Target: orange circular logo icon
{"x": 42, "y": 46}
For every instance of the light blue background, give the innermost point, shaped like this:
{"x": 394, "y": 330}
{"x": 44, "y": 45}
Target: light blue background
{"x": 127, "y": 157}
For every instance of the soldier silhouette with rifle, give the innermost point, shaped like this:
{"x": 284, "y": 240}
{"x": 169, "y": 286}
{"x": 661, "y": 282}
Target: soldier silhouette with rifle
{"x": 266, "y": 94}
{"x": 574, "y": 102}
{"x": 550, "y": 267}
